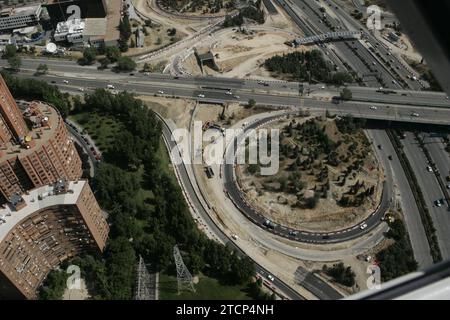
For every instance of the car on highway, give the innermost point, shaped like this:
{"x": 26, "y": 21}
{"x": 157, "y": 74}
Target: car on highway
{"x": 201, "y": 95}
{"x": 448, "y": 186}
{"x": 373, "y": 108}
{"x": 293, "y": 233}
{"x": 160, "y": 92}
{"x": 234, "y": 236}
{"x": 237, "y": 97}
{"x": 429, "y": 169}
{"x": 363, "y": 226}
{"x": 110, "y": 86}
{"x": 228, "y": 93}
{"x": 81, "y": 89}
{"x": 439, "y": 202}
{"x": 271, "y": 277}
{"x": 390, "y": 157}
{"x": 415, "y": 114}
{"x": 66, "y": 81}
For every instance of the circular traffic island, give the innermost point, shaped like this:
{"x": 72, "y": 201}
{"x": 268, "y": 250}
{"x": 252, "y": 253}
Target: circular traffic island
{"x": 329, "y": 178}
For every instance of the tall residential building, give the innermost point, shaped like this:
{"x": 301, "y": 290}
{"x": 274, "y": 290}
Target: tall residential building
{"x": 47, "y": 215}
{"x": 41, "y": 229}
{"x": 35, "y": 153}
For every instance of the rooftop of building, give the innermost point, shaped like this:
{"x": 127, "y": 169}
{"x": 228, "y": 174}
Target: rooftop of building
{"x": 38, "y": 199}
{"x": 20, "y": 11}
{"x": 113, "y": 17}
{"x": 95, "y": 26}
{"x": 45, "y": 123}
{"x": 70, "y": 26}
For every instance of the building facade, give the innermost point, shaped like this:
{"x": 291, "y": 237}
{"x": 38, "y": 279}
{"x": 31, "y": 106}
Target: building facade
{"x": 43, "y": 228}
{"x": 34, "y": 154}
{"x": 47, "y": 215}
{"x": 19, "y": 17}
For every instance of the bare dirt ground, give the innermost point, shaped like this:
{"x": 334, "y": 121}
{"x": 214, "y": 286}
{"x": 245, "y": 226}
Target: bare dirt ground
{"x": 150, "y": 10}
{"x": 282, "y": 204}
{"x": 242, "y": 54}
{"x": 179, "y": 110}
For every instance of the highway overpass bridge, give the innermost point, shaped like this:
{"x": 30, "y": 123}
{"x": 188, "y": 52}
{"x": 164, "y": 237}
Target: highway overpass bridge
{"x": 328, "y": 37}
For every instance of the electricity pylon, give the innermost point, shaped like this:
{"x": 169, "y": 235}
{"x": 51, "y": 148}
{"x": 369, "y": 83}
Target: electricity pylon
{"x": 184, "y": 277}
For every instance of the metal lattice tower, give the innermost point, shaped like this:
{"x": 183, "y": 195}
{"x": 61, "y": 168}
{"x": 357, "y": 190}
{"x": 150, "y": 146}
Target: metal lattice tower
{"x": 184, "y": 277}
{"x": 143, "y": 283}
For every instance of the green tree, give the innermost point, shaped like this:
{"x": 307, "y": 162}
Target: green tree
{"x": 54, "y": 285}
{"x": 112, "y": 53}
{"x": 104, "y": 63}
{"x": 146, "y": 68}
{"x": 346, "y": 94}
{"x": 251, "y": 103}
{"x": 42, "y": 69}
{"x": 10, "y": 51}
{"x": 15, "y": 62}
{"x": 125, "y": 64}
{"x": 89, "y": 56}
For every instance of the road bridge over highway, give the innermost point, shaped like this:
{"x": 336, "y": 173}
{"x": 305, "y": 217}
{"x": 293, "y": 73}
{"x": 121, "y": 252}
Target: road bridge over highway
{"x": 328, "y": 37}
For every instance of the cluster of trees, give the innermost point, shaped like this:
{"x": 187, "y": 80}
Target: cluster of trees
{"x": 349, "y": 124}
{"x": 307, "y": 66}
{"x": 397, "y": 259}
{"x": 341, "y": 274}
{"x": 54, "y": 285}
{"x": 10, "y": 53}
{"x": 32, "y": 89}
{"x": 255, "y": 291}
{"x": 250, "y": 12}
{"x": 111, "y": 55}
{"x": 145, "y": 225}
{"x": 213, "y": 6}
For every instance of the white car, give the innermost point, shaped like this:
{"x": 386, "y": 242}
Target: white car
{"x": 65, "y": 81}
{"x": 270, "y": 277}
{"x": 234, "y": 236}
{"x": 228, "y": 93}
{"x": 415, "y": 114}
{"x": 160, "y": 92}
{"x": 373, "y": 108}
{"x": 429, "y": 169}
{"x": 201, "y": 95}
{"x": 363, "y": 226}
{"x": 81, "y": 89}
{"x": 237, "y": 97}
{"x": 110, "y": 86}
{"x": 322, "y": 87}
{"x": 448, "y": 186}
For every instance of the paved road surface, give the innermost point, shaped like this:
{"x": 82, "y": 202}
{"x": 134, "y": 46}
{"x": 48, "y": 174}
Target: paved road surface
{"x": 431, "y": 192}
{"x": 411, "y": 212}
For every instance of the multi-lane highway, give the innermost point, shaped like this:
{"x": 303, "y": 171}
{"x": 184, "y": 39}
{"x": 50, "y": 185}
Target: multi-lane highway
{"x": 431, "y": 190}
{"x": 404, "y": 195}
{"x": 367, "y": 64}
{"x": 396, "y": 106}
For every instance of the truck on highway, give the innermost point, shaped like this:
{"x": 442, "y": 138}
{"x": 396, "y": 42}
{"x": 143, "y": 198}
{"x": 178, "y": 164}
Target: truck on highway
{"x": 269, "y": 224}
